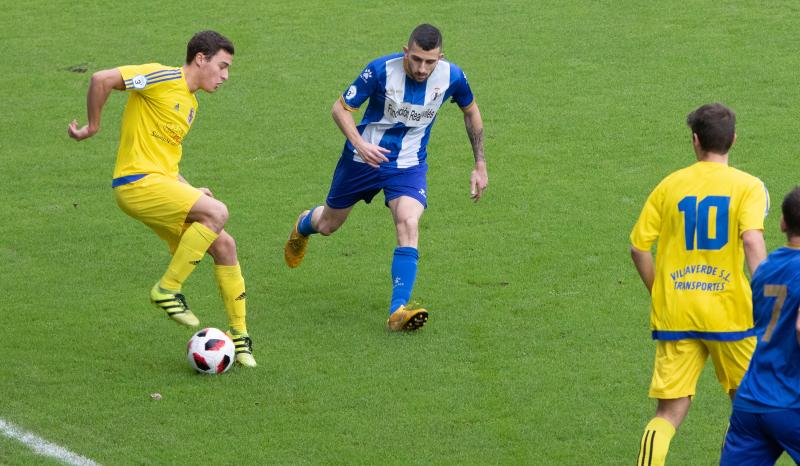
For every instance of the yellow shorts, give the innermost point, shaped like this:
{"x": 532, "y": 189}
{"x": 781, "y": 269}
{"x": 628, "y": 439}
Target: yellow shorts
{"x": 161, "y": 203}
{"x": 679, "y": 364}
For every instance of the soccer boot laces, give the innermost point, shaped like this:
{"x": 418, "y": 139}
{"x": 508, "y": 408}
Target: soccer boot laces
{"x": 295, "y": 249}
{"x": 174, "y": 304}
{"x": 244, "y": 348}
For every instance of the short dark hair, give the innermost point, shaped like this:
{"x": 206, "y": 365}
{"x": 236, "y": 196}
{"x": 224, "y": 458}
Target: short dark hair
{"x": 208, "y": 43}
{"x": 715, "y": 127}
{"x": 428, "y": 37}
{"x": 790, "y": 208}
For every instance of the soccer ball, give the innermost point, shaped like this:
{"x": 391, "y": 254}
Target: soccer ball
{"x": 210, "y": 351}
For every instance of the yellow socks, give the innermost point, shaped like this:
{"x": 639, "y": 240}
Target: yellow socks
{"x": 191, "y": 249}
{"x": 231, "y": 287}
{"x": 193, "y": 246}
{"x": 654, "y": 445}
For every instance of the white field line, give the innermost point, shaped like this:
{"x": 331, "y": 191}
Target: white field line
{"x": 42, "y": 446}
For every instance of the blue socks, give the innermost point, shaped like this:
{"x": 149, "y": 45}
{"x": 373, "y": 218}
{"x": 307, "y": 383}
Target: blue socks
{"x": 304, "y": 227}
{"x": 404, "y": 271}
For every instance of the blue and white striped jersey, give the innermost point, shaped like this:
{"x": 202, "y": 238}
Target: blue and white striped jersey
{"x": 401, "y": 111}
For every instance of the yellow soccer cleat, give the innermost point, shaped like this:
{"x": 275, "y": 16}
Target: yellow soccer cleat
{"x": 244, "y": 348}
{"x": 407, "y": 318}
{"x": 174, "y": 304}
{"x": 295, "y": 249}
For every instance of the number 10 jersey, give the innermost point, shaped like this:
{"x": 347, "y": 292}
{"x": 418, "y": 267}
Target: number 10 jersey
{"x": 697, "y": 215}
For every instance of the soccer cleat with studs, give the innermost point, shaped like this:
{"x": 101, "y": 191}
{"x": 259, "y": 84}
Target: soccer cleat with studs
{"x": 243, "y": 345}
{"x": 407, "y": 318}
{"x": 295, "y": 249}
{"x": 174, "y": 304}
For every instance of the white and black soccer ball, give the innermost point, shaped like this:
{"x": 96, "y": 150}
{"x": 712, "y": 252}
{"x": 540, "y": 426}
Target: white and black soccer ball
{"x": 210, "y": 351}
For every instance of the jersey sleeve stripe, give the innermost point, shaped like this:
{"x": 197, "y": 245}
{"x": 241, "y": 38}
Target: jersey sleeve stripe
{"x": 469, "y": 106}
{"x": 162, "y": 79}
{"x": 158, "y": 73}
{"x": 166, "y": 74}
{"x": 347, "y": 107}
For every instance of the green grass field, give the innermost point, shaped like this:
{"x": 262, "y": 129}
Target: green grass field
{"x": 538, "y": 349}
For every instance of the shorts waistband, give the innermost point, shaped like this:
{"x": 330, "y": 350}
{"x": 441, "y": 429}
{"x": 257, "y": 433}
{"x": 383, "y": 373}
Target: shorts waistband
{"x": 127, "y": 179}
{"x": 697, "y": 335}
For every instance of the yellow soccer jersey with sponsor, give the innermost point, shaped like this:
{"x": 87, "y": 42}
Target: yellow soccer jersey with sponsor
{"x": 698, "y": 215}
{"x": 159, "y": 113}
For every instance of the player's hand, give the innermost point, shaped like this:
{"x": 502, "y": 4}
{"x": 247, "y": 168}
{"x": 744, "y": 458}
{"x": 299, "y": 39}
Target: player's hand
{"x": 79, "y": 134}
{"x": 372, "y": 154}
{"x": 478, "y": 181}
{"x": 206, "y": 192}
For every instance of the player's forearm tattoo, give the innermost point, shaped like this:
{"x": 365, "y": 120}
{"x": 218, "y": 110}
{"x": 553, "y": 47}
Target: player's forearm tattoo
{"x": 476, "y": 139}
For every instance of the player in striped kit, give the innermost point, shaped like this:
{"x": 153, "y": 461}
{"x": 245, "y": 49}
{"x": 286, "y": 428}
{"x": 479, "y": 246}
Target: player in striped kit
{"x": 388, "y": 151}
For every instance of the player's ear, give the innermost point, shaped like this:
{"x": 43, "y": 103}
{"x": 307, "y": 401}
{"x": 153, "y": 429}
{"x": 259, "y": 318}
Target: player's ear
{"x": 405, "y": 50}
{"x": 783, "y": 225}
{"x": 734, "y": 139}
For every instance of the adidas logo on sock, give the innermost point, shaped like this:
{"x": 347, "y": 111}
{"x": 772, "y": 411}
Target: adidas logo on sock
{"x": 195, "y": 262}
{"x": 241, "y": 296}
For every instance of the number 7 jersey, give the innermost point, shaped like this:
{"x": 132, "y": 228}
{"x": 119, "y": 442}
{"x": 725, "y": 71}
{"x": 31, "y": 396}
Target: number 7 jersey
{"x": 697, "y": 215}
{"x": 772, "y": 380}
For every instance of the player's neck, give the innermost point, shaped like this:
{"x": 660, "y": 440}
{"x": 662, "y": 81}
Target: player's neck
{"x": 793, "y": 241}
{"x": 407, "y": 69}
{"x": 712, "y": 157}
{"x": 190, "y": 78}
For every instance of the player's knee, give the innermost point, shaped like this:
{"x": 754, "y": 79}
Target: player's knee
{"x": 214, "y": 215}
{"x": 226, "y": 241}
{"x": 223, "y": 247}
{"x": 218, "y": 215}
{"x": 408, "y": 226}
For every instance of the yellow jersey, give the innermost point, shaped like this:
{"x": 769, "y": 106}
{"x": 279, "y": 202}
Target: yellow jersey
{"x": 697, "y": 215}
{"x": 159, "y": 114}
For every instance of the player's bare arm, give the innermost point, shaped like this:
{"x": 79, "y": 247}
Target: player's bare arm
{"x": 372, "y": 154}
{"x": 100, "y": 87}
{"x": 479, "y": 178}
{"x": 645, "y": 265}
{"x": 755, "y": 250}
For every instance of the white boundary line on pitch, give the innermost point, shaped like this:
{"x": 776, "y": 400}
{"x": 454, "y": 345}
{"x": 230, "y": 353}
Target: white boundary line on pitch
{"x": 42, "y": 446}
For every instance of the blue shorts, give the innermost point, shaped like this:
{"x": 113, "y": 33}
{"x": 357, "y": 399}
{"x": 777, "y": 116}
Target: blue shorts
{"x": 356, "y": 181}
{"x": 760, "y": 438}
